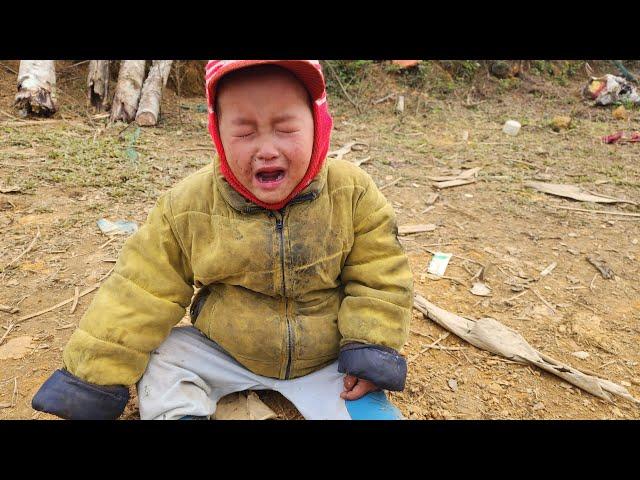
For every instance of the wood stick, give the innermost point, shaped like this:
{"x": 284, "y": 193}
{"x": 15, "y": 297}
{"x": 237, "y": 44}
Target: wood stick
{"x": 549, "y": 306}
{"x": 391, "y": 183}
{"x": 7, "y": 309}
{"x": 76, "y": 297}
{"x": 609, "y": 212}
{"x": 14, "y": 397}
{"x": 25, "y": 251}
{"x": 106, "y": 243}
{"x": 7, "y": 332}
{"x": 58, "y": 305}
{"x": 8, "y": 69}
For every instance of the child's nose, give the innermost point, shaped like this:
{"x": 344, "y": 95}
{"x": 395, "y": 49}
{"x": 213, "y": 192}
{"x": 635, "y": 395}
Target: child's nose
{"x": 267, "y": 151}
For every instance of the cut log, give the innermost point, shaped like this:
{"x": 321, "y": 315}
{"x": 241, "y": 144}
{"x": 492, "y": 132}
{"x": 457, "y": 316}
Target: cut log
{"x": 127, "y": 96}
{"x": 149, "y": 108}
{"x": 98, "y": 84}
{"x": 36, "y": 88}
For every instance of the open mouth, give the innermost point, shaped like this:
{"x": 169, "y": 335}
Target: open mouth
{"x": 271, "y": 176}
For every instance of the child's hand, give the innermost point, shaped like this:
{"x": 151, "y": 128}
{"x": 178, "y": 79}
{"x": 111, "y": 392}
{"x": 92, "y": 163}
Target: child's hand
{"x": 355, "y": 387}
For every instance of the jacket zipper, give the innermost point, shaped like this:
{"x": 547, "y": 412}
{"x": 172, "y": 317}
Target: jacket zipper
{"x": 280, "y": 230}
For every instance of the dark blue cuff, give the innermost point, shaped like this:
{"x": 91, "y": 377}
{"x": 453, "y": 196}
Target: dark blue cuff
{"x": 68, "y": 397}
{"x": 383, "y": 366}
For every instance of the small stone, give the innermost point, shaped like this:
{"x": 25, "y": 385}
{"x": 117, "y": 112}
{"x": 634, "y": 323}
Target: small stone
{"x": 581, "y": 355}
{"x": 560, "y": 123}
{"x": 538, "y": 406}
{"x": 453, "y": 385}
{"x": 624, "y": 383}
{"x": 494, "y": 388}
{"x": 634, "y": 241}
{"x": 572, "y": 234}
{"x": 620, "y": 113}
{"x": 562, "y": 329}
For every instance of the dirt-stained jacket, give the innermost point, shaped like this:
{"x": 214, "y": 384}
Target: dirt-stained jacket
{"x": 288, "y": 288}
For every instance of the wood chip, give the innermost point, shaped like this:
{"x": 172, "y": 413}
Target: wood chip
{"x": 574, "y": 192}
{"x": 548, "y": 270}
{"x": 480, "y": 289}
{"x": 409, "y": 229}
{"x": 452, "y": 183}
{"x": 76, "y": 297}
{"x": 602, "y": 266}
{"x": 7, "y": 309}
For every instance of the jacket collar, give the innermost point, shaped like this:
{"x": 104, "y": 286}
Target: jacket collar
{"x": 243, "y": 205}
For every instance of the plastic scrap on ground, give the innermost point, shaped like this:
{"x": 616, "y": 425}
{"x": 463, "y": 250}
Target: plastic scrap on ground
{"x": 611, "y": 89}
{"x": 622, "y": 137}
{"x": 120, "y": 227}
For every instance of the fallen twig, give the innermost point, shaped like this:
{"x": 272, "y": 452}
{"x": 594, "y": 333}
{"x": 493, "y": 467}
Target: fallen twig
{"x": 548, "y": 305}
{"x": 391, "y": 183}
{"x": 76, "y": 297}
{"x": 607, "y": 212}
{"x": 7, "y": 309}
{"x": 27, "y": 250}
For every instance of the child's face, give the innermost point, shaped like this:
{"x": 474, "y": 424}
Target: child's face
{"x": 266, "y": 128}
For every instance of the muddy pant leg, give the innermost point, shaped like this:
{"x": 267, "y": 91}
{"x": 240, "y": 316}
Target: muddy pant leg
{"x": 187, "y": 375}
{"x": 317, "y": 397}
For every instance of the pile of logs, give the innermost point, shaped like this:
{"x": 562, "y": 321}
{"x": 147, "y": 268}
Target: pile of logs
{"x": 135, "y": 97}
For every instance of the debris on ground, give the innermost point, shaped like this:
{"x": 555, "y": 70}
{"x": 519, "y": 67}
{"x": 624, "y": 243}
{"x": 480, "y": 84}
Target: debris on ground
{"x": 241, "y": 406}
{"x": 581, "y": 355}
{"x": 511, "y": 128}
{"x": 491, "y": 335}
{"x": 10, "y": 189}
{"x": 549, "y": 269}
{"x": 574, "y": 192}
{"x": 409, "y": 229}
{"x": 601, "y": 265}
{"x": 119, "y": 227}
{"x": 620, "y": 113}
{"x": 622, "y": 137}
{"x": 464, "y": 178}
{"x": 8, "y": 309}
{"x": 16, "y": 348}
{"x": 439, "y": 262}
{"x": 610, "y": 89}
{"x": 560, "y": 123}
{"x": 480, "y": 289}
{"x": 405, "y": 63}
{"x": 348, "y": 148}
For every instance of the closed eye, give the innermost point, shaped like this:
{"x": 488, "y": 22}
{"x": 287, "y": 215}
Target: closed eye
{"x": 243, "y": 135}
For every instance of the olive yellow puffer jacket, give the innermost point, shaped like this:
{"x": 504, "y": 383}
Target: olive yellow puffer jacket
{"x": 287, "y": 288}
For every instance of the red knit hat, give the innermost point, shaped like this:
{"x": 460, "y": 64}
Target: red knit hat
{"x": 309, "y": 72}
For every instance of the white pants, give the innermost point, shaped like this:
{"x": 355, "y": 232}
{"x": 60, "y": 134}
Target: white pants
{"x": 188, "y": 374}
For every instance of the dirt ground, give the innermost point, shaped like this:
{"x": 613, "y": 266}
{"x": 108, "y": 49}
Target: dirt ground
{"x": 76, "y": 169}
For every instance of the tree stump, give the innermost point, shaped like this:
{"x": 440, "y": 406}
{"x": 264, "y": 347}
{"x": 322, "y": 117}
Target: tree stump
{"x": 127, "y": 96}
{"x": 149, "y": 108}
{"x": 98, "y": 84}
{"x": 36, "y": 88}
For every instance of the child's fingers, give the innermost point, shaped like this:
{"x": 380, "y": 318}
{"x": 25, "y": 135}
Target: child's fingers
{"x": 362, "y": 388}
{"x": 349, "y": 382}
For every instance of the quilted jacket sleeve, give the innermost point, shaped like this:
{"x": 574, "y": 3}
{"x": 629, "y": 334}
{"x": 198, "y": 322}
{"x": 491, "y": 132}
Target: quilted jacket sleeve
{"x": 378, "y": 287}
{"x": 135, "y": 309}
